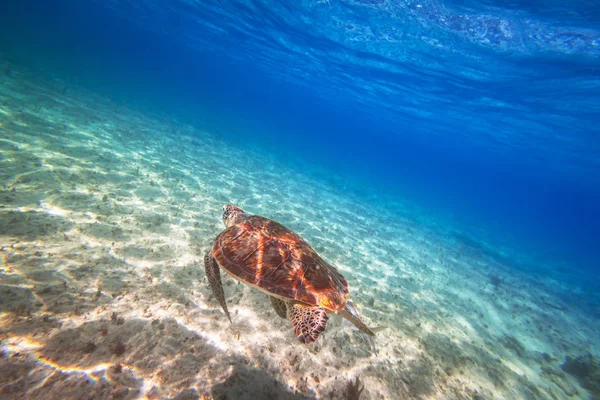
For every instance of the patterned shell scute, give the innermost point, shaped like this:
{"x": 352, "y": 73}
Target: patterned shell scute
{"x": 264, "y": 253}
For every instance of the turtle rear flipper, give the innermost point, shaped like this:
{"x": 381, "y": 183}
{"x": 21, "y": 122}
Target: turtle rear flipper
{"x": 308, "y": 321}
{"x": 279, "y": 306}
{"x": 214, "y": 279}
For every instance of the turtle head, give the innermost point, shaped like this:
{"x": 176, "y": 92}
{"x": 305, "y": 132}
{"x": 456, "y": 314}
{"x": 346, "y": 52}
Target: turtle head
{"x": 232, "y": 215}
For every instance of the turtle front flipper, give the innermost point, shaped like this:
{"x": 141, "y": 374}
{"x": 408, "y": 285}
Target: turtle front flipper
{"x": 214, "y": 279}
{"x": 308, "y": 321}
{"x": 279, "y": 306}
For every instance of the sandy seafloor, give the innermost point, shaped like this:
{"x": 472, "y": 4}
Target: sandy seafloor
{"x": 106, "y": 212}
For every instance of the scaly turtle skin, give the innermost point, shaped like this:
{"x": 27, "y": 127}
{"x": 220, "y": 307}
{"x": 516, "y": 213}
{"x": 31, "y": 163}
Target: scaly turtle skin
{"x": 268, "y": 256}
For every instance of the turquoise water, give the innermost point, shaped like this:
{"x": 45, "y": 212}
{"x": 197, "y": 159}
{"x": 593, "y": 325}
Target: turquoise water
{"x": 444, "y": 157}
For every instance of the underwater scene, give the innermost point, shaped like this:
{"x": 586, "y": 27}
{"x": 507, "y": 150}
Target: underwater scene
{"x": 309, "y": 199}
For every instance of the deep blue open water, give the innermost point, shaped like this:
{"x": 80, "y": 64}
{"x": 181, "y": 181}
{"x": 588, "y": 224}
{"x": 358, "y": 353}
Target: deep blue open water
{"x": 486, "y": 112}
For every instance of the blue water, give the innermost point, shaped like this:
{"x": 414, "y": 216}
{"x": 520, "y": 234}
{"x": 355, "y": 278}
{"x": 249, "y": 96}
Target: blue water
{"x": 482, "y": 111}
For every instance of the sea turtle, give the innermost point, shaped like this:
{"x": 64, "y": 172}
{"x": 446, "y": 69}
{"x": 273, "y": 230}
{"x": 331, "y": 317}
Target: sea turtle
{"x": 266, "y": 255}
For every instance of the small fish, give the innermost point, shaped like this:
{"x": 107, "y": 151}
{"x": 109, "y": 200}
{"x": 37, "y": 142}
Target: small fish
{"x": 350, "y": 307}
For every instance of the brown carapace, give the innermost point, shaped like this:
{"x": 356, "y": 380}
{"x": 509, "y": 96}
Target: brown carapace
{"x": 268, "y": 256}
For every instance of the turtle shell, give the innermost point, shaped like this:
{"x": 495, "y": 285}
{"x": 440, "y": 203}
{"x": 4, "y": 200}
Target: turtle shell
{"x": 263, "y": 253}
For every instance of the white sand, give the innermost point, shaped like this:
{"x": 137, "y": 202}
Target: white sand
{"x": 105, "y": 214}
